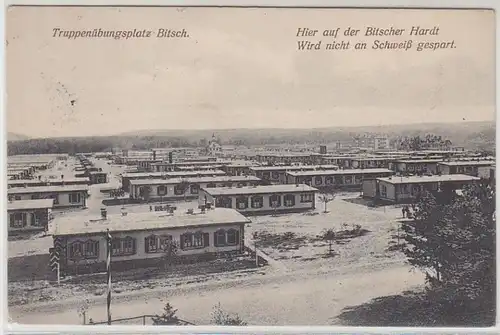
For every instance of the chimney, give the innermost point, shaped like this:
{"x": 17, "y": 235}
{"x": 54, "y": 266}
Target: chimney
{"x": 104, "y": 213}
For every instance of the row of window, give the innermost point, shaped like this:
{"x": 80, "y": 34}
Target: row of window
{"x": 336, "y": 180}
{"x": 181, "y": 190}
{"x": 74, "y": 198}
{"x": 154, "y": 244}
{"x": 20, "y": 220}
{"x": 257, "y": 201}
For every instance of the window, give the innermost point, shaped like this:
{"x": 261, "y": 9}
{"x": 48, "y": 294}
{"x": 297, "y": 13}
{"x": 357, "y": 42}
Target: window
{"x": 220, "y": 238}
{"x": 75, "y": 198}
{"x": 194, "y": 189}
{"x": 18, "y": 220}
{"x": 242, "y": 184}
{"x": 17, "y": 197}
{"x": 91, "y": 249}
{"x": 348, "y": 179}
{"x": 242, "y": 202}
{"x": 338, "y": 180}
{"x": 308, "y": 180}
{"x": 383, "y": 191}
{"x": 329, "y": 180}
{"x": 265, "y": 175}
{"x": 358, "y": 179}
{"x": 35, "y": 220}
{"x": 210, "y": 185}
{"x": 226, "y": 202}
{"x": 155, "y": 243}
{"x": 224, "y": 238}
{"x": 289, "y": 200}
{"x": 179, "y": 189}
{"x": 318, "y": 180}
{"x": 55, "y": 197}
{"x": 415, "y": 190}
{"x": 275, "y": 201}
{"x": 84, "y": 250}
{"x": 35, "y": 196}
{"x": 123, "y": 246}
{"x": 162, "y": 190}
{"x": 307, "y": 197}
{"x": 257, "y": 201}
{"x": 275, "y": 175}
{"x": 229, "y": 184}
{"x": 232, "y": 237}
{"x": 196, "y": 240}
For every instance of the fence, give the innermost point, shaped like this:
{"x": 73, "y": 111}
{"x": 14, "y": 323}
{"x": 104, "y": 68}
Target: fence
{"x": 142, "y": 319}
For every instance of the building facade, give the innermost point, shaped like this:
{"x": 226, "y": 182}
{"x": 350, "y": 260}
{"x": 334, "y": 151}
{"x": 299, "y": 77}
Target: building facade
{"x": 278, "y": 174}
{"x": 63, "y": 196}
{"x": 147, "y": 239}
{"x": 336, "y": 179}
{"x": 267, "y": 199}
{"x": 28, "y": 215}
{"x": 407, "y": 189}
{"x": 479, "y": 169}
{"x": 188, "y": 188}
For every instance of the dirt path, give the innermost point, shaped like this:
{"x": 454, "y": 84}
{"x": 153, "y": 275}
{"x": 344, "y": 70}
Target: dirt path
{"x": 283, "y": 299}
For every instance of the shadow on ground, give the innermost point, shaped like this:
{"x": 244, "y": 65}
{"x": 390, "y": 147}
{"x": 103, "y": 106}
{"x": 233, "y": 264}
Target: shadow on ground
{"x": 411, "y": 309}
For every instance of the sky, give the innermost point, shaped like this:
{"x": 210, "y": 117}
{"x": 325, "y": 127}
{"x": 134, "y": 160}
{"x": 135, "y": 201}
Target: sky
{"x": 241, "y": 68}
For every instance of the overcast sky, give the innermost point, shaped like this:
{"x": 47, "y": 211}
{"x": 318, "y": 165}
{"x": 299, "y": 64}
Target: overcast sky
{"x": 240, "y": 68}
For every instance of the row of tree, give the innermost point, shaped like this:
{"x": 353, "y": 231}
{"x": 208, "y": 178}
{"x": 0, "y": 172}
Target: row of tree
{"x": 452, "y": 238}
{"x": 427, "y": 142}
{"x": 219, "y": 317}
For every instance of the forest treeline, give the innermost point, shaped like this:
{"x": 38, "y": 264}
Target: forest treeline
{"x": 474, "y": 138}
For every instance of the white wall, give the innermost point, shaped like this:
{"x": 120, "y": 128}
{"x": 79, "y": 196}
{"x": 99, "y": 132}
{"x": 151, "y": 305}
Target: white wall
{"x": 370, "y": 188}
{"x": 266, "y": 206}
{"x": 140, "y": 237}
{"x": 135, "y": 189}
{"x": 63, "y": 198}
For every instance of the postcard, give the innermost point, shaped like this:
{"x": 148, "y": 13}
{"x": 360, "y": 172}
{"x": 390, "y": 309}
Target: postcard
{"x": 251, "y": 166}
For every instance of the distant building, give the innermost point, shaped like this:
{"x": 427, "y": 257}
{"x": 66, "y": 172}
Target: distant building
{"x": 261, "y": 199}
{"x": 214, "y": 148}
{"x": 322, "y": 149}
{"x": 336, "y": 179}
{"x": 63, "y": 196}
{"x": 188, "y": 188}
{"x": 143, "y": 239}
{"x": 417, "y": 166}
{"x": 127, "y": 177}
{"x": 407, "y": 189}
{"x": 28, "y": 215}
{"x": 277, "y": 174}
{"x": 471, "y": 168}
{"x": 47, "y": 182}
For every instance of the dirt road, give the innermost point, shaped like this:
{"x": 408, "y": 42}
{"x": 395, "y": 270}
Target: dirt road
{"x": 284, "y": 299}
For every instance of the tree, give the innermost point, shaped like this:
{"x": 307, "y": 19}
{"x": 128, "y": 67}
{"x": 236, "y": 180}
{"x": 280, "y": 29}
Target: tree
{"x": 455, "y": 236}
{"x": 168, "y": 316}
{"x": 422, "y": 235}
{"x": 325, "y": 198}
{"x": 222, "y": 318}
{"x": 170, "y": 250}
{"x": 183, "y": 186}
{"x": 82, "y": 310}
{"x": 329, "y": 235}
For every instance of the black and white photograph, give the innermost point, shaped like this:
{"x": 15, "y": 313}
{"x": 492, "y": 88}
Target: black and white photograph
{"x": 250, "y": 166}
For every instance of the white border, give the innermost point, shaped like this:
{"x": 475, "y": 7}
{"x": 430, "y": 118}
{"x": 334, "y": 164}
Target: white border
{"x": 76, "y": 329}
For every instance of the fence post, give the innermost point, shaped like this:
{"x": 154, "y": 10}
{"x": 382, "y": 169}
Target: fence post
{"x": 144, "y": 320}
